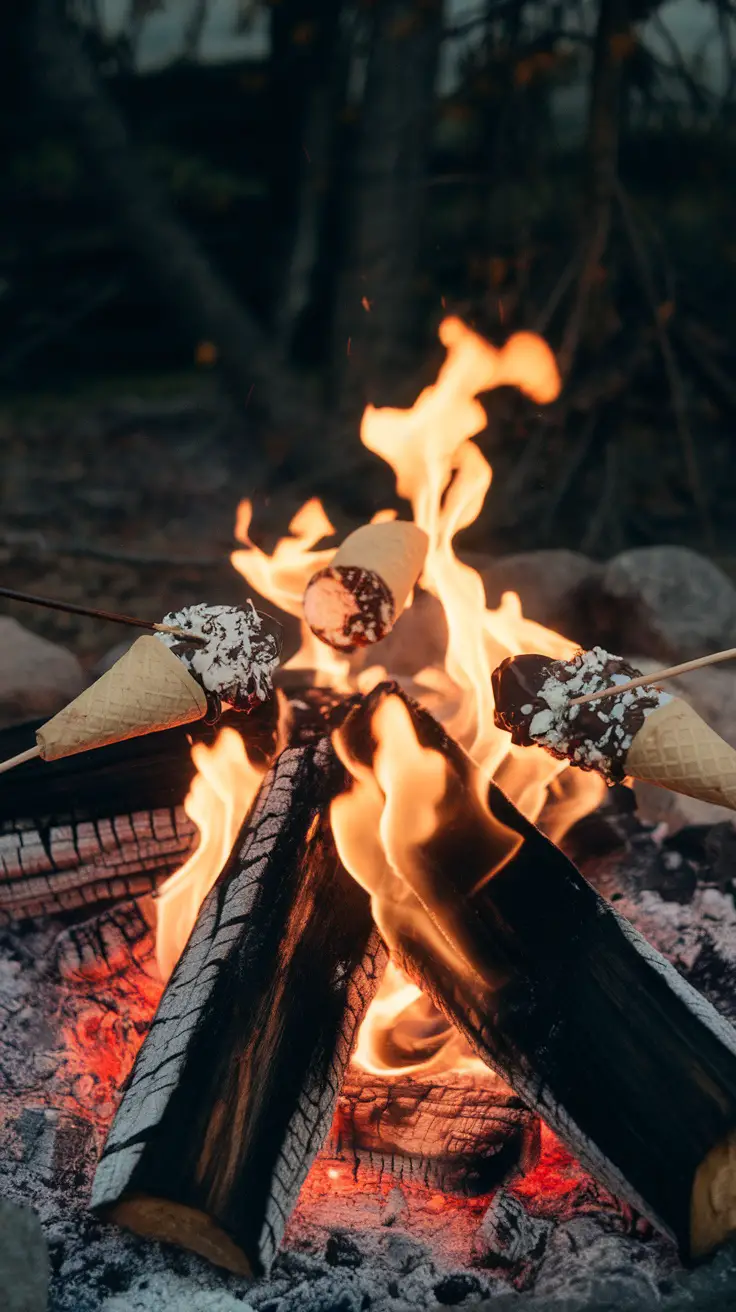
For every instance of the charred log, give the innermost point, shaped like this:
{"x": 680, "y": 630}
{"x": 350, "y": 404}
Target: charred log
{"x": 107, "y": 824}
{"x": 633, "y": 1069}
{"x": 234, "y": 1088}
{"x": 458, "y": 1133}
{"x": 113, "y": 942}
{"x": 60, "y": 865}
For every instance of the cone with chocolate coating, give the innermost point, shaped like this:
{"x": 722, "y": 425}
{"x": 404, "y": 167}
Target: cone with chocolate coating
{"x": 678, "y": 750}
{"x": 147, "y": 690}
{"x": 357, "y": 598}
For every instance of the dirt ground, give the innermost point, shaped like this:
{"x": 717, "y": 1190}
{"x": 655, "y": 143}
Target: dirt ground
{"x": 127, "y": 505}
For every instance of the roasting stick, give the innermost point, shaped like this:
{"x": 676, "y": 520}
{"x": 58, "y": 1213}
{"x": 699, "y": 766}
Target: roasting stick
{"x": 659, "y": 675}
{"x": 12, "y": 761}
{"x": 73, "y": 609}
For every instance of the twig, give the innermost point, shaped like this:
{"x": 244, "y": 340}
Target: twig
{"x": 558, "y": 293}
{"x": 659, "y": 676}
{"x": 569, "y": 473}
{"x": 602, "y": 151}
{"x": 719, "y": 380}
{"x": 72, "y": 608}
{"x": 670, "y": 365}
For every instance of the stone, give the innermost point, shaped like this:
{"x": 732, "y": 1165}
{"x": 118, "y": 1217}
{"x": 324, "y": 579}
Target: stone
{"x": 37, "y": 677}
{"x": 24, "y": 1260}
{"x": 668, "y": 602}
{"x": 554, "y": 587}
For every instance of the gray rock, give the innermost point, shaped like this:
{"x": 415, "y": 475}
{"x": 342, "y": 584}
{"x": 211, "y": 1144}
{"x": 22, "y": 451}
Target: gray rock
{"x": 37, "y": 677}
{"x": 24, "y": 1260}
{"x": 668, "y": 602}
{"x": 553, "y": 585}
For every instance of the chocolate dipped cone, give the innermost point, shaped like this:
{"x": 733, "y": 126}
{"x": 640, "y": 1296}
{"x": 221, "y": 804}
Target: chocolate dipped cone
{"x": 356, "y": 600}
{"x": 147, "y": 690}
{"x": 679, "y": 751}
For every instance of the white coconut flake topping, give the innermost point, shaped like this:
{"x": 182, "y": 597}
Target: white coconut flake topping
{"x": 608, "y": 737}
{"x": 240, "y": 655}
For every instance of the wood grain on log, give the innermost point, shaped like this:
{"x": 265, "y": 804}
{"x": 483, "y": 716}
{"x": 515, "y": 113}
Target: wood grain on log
{"x": 50, "y": 868}
{"x": 459, "y": 1133}
{"x": 106, "y": 824}
{"x": 593, "y": 1028}
{"x": 234, "y": 1089}
{"x": 112, "y": 942}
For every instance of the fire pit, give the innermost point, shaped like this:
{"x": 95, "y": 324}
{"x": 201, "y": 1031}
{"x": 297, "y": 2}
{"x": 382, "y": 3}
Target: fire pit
{"x": 303, "y": 1113}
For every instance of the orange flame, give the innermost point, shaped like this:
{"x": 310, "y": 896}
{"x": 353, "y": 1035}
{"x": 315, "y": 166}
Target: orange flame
{"x": 444, "y": 475}
{"x": 218, "y": 801}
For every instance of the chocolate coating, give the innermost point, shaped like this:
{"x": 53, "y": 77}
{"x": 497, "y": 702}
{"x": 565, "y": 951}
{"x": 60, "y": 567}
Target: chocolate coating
{"x": 358, "y": 607}
{"x": 516, "y": 682}
{"x": 533, "y": 702}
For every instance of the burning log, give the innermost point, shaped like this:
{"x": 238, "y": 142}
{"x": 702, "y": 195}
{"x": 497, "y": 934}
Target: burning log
{"x": 234, "y": 1089}
{"x": 458, "y": 1132}
{"x": 57, "y": 866}
{"x": 89, "y": 829}
{"x": 633, "y": 1069}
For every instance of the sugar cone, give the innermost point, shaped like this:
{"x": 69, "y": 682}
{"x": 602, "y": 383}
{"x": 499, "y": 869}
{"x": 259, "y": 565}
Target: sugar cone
{"x": 678, "y": 750}
{"x": 148, "y": 689}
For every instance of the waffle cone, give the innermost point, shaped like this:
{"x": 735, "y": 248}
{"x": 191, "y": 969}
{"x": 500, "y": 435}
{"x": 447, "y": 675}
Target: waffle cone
{"x": 678, "y": 750}
{"x": 148, "y": 689}
{"x": 395, "y": 550}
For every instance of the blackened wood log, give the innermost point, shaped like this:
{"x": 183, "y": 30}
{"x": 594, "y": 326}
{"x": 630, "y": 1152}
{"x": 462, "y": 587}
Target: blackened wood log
{"x": 593, "y": 1028}
{"x": 65, "y": 862}
{"x": 106, "y": 824}
{"x": 146, "y": 773}
{"x": 115, "y": 941}
{"x": 234, "y": 1088}
{"x": 460, "y": 1133}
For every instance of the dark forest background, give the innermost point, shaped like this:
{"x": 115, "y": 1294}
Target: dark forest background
{"x": 270, "y": 243}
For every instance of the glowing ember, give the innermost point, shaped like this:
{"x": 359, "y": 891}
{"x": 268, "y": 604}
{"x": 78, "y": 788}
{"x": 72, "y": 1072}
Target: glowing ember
{"x": 443, "y": 474}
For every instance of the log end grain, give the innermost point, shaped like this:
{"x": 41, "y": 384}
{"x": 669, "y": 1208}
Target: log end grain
{"x": 187, "y": 1227}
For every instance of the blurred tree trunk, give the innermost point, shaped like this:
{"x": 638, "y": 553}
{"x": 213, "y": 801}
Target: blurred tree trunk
{"x": 375, "y": 318}
{"x": 613, "y": 45}
{"x": 306, "y": 76}
{"x": 186, "y": 280}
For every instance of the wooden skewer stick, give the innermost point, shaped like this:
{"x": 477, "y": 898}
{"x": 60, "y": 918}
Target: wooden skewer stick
{"x": 73, "y": 609}
{"x": 657, "y": 677}
{"x": 30, "y": 755}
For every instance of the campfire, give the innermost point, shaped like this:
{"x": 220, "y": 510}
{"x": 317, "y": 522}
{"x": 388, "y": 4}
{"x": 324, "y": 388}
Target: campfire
{"x": 377, "y": 969}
